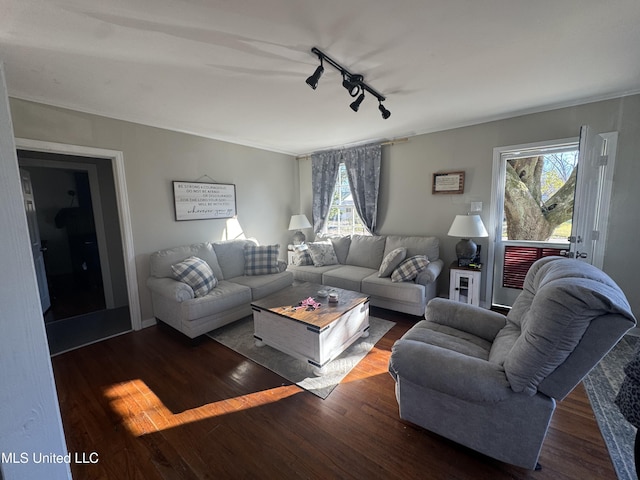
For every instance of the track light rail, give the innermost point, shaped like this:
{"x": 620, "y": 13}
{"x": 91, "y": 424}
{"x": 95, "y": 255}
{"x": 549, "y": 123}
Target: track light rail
{"x": 324, "y": 57}
{"x": 353, "y": 82}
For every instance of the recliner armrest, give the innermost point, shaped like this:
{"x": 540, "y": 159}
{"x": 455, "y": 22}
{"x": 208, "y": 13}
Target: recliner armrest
{"x": 170, "y": 288}
{"x": 467, "y": 318}
{"x": 449, "y": 372}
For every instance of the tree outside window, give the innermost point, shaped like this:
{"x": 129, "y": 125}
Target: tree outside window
{"x": 539, "y": 197}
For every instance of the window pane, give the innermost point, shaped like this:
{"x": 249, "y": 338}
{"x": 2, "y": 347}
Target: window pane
{"x": 343, "y": 217}
{"x": 536, "y": 186}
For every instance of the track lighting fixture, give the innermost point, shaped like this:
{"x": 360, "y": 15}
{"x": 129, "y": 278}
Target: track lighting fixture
{"x": 312, "y": 81}
{"x": 385, "y": 113}
{"x": 353, "y": 83}
{"x": 356, "y": 104}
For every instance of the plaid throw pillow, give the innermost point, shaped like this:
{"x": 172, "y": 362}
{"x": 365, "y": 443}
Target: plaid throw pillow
{"x": 261, "y": 259}
{"x": 410, "y": 268}
{"x": 196, "y": 273}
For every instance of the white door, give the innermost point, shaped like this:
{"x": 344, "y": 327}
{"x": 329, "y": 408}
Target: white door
{"x": 34, "y": 236}
{"x": 587, "y": 221}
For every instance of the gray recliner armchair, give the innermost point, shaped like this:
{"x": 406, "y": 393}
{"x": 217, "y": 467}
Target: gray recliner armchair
{"x": 491, "y": 382}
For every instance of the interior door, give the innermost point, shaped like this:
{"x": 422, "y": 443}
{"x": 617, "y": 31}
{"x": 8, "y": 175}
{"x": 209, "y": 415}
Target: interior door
{"x": 584, "y": 233}
{"x": 34, "y": 236}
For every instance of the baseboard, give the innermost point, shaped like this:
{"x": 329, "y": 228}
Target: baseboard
{"x": 149, "y": 322}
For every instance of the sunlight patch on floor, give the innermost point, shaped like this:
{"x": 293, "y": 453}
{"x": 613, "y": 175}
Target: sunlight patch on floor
{"x": 142, "y": 412}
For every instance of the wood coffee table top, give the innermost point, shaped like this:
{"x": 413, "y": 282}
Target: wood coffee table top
{"x": 284, "y": 303}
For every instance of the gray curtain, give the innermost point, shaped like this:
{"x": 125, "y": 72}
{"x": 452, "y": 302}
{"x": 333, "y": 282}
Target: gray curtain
{"x": 324, "y": 173}
{"x": 363, "y": 169}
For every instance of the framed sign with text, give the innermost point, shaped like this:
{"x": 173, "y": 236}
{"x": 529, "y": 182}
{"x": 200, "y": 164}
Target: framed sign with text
{"x": 448, "y": 182}
{"x": 202, "y": 201}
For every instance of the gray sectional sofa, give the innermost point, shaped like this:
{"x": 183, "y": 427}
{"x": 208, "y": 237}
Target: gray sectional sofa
{"x": 359, "y": 258}
{"x": 175, "y": 303}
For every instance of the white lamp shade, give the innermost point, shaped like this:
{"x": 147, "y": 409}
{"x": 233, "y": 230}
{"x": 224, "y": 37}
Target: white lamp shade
{"x": 299, "y": 222}
{"x": 467, "y": 226}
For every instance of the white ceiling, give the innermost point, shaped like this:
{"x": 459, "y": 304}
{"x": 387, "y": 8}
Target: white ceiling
{"x": 235, "y": 70}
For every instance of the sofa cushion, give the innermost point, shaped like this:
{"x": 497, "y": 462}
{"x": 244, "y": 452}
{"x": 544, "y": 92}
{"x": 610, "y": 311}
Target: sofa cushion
{"x": 160, "y": 262}
{"x": 309, "y": 273}
{"x": 348, "y": 277}
{"x": 341, "y": 247}
{"x": 263, "y": 285}
{"x": 230, "y": 256}
{"x": 391, "y": 261}
{"x": 366, "y": 251}
{"x": 301, "y": 255}
{"x": 322, "y": 254}
{"x": 383, "y": 287}
{"x": 409, "y": 269}
{"x": 261, "y": 259}
{"x": 225, "y": 296}
{"x": 449, "y": 338}
{"x": 429, "y": 246}
{"x": 196, "y": 273}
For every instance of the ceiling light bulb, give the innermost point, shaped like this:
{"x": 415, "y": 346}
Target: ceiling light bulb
{"x": 385, "y": 113}
{"x": 312, "y": 81}
{"x": 356, "y": 104}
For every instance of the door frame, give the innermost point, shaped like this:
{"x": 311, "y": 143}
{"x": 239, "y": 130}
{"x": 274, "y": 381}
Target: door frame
{"x": 96, "y": 202}
{"x": 499, "y": 177}
{"x": 117, "y": 163}
{"x": 497, "y": 188}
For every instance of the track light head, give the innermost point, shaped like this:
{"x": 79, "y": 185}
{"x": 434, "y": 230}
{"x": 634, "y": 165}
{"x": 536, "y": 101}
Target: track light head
{"x": 312, "y": 81}
{"x": 352, "y": 83}
{"x": 356, "y": 104}
{"x": 385, "y": 113}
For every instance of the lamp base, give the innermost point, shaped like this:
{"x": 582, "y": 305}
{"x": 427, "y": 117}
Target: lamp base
{"x": 299, "y": 238}
{"x": 466, "y": 250}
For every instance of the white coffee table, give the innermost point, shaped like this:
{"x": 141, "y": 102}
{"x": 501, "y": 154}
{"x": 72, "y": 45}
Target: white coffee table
{"x": 315, "y": 336}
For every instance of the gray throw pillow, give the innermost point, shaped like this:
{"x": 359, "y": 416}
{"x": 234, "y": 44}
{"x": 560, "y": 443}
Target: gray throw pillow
{"x": 391, "y": 261}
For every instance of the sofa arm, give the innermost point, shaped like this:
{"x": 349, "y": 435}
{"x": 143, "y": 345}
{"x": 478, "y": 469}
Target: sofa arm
{"x": 430, "y": 274}
{"x": 468, "y": 318}
{"x": 170, "y": 288}
{"x": 448, "y": 372}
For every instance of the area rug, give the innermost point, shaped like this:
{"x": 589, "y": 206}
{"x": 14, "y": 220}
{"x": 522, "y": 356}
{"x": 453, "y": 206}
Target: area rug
{"x": 238, "y": 336}
{"x": 602, "y": 386}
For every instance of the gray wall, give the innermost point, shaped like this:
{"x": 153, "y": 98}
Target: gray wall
{"x": 408, "y": 207}
{"x": 266, "y": 182}
{"x": 270, "y": 186}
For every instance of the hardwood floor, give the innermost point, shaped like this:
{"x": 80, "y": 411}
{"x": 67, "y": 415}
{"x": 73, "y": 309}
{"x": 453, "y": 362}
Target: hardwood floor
{"x": 153, "y": 407}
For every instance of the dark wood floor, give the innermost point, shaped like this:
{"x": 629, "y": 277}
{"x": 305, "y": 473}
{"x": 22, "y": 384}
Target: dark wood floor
{"x": 153, "y": 407}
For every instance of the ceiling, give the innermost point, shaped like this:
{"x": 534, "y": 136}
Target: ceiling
{"x": 235, "y": 70}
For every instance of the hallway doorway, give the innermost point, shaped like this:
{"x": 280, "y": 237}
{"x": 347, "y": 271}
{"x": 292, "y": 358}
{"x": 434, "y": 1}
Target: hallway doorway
{"x": 78, "y": 222}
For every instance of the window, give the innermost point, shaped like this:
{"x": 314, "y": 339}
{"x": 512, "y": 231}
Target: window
{"x": 343, "y": 217}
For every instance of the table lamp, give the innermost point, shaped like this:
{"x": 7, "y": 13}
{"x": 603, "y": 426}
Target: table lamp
{"x": 298, "y": 222}
{"x": 465, "y": 227}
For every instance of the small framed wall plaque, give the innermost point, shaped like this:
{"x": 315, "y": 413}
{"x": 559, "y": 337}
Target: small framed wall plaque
{"x": 448, "y": 182}
{"x": 201, "y": 201}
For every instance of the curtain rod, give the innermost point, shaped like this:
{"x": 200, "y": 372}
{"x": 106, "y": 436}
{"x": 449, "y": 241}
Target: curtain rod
{"x": 382, "y": 144}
